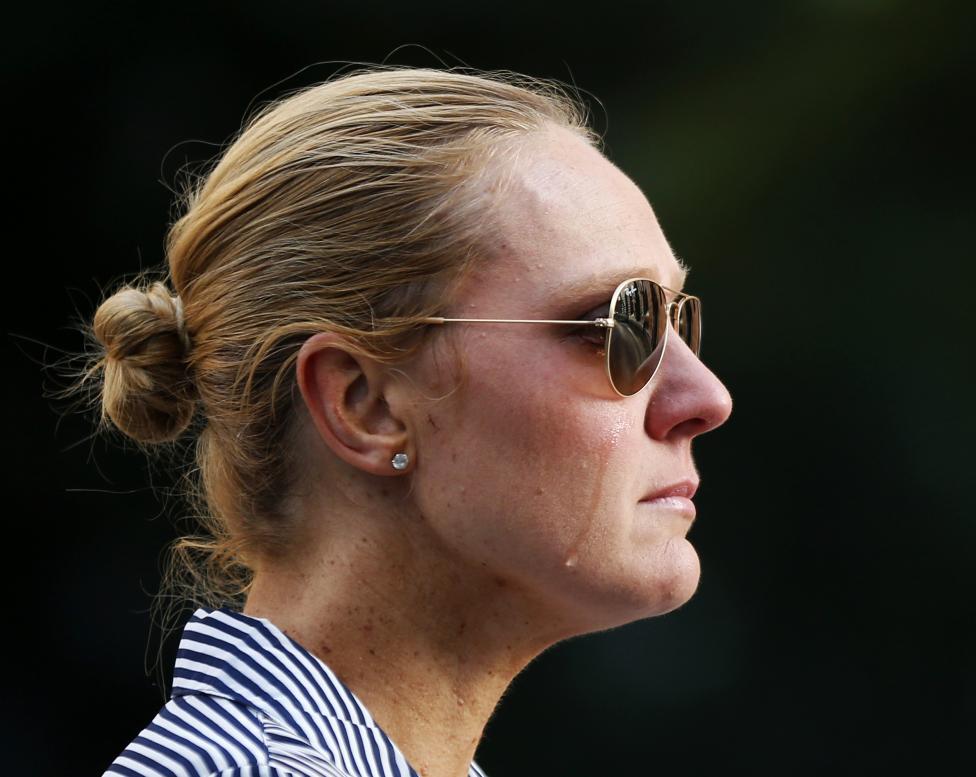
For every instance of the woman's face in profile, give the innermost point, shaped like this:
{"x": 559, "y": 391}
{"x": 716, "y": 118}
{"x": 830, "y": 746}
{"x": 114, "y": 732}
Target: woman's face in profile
{"x": 534, "y": 470}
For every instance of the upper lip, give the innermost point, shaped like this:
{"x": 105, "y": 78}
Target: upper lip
{"x": 685, "y": 488}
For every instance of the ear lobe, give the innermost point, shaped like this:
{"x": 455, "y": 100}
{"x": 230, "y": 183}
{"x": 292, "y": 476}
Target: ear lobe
{"x": 343, "y": 391}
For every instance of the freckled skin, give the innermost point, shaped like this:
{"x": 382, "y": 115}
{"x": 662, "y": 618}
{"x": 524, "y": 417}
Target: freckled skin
{"x": 537, "y": 414}
{"x": 517, "y": 523}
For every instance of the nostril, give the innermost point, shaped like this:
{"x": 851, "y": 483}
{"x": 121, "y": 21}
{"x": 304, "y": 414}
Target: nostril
{"x": 693, "y": 427}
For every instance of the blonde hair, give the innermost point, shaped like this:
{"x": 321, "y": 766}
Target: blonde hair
{"x": 352, "y": 206}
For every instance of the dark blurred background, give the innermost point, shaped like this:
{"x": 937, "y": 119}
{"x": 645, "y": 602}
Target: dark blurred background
{"x": 811, "y": 160}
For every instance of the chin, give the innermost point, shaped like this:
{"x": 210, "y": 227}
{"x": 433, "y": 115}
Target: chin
{"x": 678, "y": 591}
{"x": 679, "y": 581}
{"x": 658, "y": 591}
{"x": 669, "y": 584}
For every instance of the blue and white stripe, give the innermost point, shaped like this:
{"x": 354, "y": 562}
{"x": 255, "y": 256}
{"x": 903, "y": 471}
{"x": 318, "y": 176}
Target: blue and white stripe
{"x": 248, "y": 701}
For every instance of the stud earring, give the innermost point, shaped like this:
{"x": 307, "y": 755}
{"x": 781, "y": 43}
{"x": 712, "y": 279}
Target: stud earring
{"x": 400, "y": 461}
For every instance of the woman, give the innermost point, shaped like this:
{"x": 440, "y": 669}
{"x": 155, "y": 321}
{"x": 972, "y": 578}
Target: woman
{"x": 444, "y": 385}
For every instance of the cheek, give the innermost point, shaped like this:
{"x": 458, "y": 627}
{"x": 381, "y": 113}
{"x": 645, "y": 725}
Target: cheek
{"x": 529, "y": 477}
{"x": 517, "y": 478}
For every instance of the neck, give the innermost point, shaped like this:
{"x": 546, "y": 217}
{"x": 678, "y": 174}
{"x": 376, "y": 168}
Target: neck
{"x": 428, "y": 645}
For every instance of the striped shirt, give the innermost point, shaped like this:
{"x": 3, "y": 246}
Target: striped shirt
{"x": 249, "y": 701}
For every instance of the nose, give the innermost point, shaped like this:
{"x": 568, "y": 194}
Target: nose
{"x": 686, "y": 398}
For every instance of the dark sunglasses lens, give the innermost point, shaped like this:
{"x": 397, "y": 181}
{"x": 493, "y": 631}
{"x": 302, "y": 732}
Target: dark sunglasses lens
{"x": 689, "y": 323}
{"x": 637, "y": 337}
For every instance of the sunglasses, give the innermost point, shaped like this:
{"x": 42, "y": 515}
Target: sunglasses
{"x": 636, "y": 331}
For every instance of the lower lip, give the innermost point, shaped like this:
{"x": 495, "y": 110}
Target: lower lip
{"x": 679, "y": 504}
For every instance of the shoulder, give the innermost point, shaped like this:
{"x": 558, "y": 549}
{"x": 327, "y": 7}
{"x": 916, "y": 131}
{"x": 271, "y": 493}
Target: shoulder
{"x": 254, "y": 770}
{"x": 197, "y": 736}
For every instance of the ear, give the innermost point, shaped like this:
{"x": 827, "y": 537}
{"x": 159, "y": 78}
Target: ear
{"x": 343, "y": 391}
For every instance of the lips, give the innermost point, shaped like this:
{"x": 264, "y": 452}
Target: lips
{"x": 683, "y": 488}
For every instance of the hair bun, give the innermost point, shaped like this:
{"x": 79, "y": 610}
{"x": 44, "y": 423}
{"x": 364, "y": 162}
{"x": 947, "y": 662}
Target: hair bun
{"x": 147, "y": 390}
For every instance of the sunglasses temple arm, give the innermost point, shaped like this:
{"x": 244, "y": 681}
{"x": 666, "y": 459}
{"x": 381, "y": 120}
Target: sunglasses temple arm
{"x": 601, "y": 322}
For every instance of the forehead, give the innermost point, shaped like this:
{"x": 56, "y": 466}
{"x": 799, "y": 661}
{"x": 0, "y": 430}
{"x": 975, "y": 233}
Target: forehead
{"x": 570, "y": 218}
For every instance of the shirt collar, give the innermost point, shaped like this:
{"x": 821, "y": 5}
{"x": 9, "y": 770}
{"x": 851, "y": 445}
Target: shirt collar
{"x": 246, "y": 659}
{"x": 249, "y": 660}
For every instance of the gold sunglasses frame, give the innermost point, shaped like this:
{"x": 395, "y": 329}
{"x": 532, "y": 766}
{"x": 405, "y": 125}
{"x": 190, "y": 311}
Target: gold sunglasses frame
{"x": 674, "y": 318}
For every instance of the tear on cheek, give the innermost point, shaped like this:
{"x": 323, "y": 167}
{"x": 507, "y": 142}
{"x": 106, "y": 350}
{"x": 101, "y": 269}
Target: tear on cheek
{"x": 615, "y": 433}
